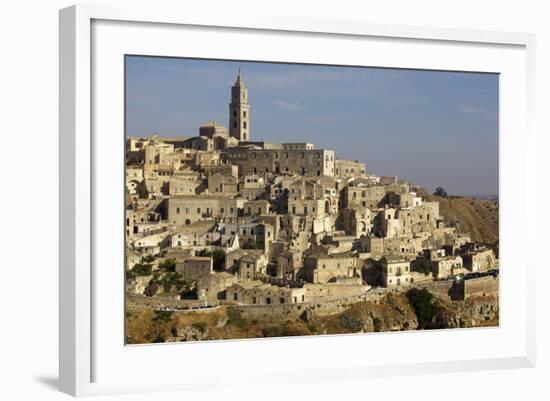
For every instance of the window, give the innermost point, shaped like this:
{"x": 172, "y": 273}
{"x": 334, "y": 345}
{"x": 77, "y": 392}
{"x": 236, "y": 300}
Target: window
{"x": 254, "y": 300}
{"x": 234, "y": 113}
{"x": 282, "y": 300}
{"x": 244, "y": 124}
{"x": 244, "y": 113}
{"x": 235, "y": 296}
{"x": 177, "y": 210}
{"x": 268, "y": 300}
{"x": 234, "y": 124}
{"x": 198, "y": 210}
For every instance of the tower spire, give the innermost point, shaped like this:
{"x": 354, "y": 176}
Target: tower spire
{"x": 239, "y": 118}
{"x": 239, "y": 80}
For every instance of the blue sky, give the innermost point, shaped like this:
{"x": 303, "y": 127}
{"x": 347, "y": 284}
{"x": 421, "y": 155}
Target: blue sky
{"x": 432, "y": 128}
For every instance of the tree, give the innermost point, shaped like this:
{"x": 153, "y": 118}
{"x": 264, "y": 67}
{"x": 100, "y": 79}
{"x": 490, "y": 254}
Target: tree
{"x": 439, "y": 191}
{"x": 168, "y": 265}
{"x": 203, "y": 252}
{"x": 218, "y": 257}
{"x": 140, "y": 269}
{"x": 422, "y": 265}
{"x": 421, "y": 301}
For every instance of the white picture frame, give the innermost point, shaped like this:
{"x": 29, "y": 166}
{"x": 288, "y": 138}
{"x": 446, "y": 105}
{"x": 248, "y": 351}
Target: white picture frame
{"x": 84, "y": 336}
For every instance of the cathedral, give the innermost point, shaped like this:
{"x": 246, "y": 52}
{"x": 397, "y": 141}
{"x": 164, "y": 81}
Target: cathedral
{"x": 215, "y": 136}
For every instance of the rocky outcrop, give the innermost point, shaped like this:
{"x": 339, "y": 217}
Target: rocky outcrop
{"x": 189, "y": 333}
{"x": 474, "y": 312}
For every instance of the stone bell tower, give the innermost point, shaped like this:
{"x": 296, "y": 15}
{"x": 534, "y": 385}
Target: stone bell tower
{"x": 239, "y": 111}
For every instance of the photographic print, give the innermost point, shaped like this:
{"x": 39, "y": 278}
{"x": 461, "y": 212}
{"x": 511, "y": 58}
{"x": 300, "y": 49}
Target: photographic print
{"x": 269, "y": 199}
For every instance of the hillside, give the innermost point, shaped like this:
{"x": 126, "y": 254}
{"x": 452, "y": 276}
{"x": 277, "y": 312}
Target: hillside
{"x": 392, "y": 313}
{"x": 477, "y": 217}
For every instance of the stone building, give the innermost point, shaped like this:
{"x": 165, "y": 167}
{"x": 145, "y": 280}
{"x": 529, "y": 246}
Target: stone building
{"x": 258, "y": 293}
{"x": 212, "y": 287}
{"x": 251, "y": 267}
{"x": 188, "y": 209}
{"x": 289, "y": 263}
{"x": 363, "y": 196}
{"x": 322, "y": 269}
{"x": 296, "y": 223}
{"x": 306, "y": 162}
{"x": 357, "y": 222}
{"x": 183, "y": 185}
{"x": 479, "y": 259}
{"x": 396, "y": 271}
{"x": 195, "y": 267}
{"x": 447, "y": 266}
{"x": 222, "y": 184}
{"x": 348, "y": 168}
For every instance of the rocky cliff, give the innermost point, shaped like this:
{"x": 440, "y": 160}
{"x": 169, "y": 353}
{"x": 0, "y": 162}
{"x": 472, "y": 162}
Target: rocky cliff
{"x": 394, "y": 312}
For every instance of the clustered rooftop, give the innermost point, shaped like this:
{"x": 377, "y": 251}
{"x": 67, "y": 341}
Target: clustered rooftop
{"x": 293, "y": 223}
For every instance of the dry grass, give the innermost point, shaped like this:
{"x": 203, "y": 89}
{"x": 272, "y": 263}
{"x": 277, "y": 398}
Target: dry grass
{"x": 477, "y": 217}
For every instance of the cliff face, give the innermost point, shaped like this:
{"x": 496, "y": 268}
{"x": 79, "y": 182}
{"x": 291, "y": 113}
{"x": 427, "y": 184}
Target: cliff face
{"x": 473, "y": 312}
{"x": 394, "y": 313}
{"x": 477, "y": 217}
{"x": 391, "y": 313}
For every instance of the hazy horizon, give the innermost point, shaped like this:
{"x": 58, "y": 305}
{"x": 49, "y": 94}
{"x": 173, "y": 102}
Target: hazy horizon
{"x": 431, "y": 128}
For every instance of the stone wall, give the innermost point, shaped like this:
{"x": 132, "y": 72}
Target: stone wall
{"x": 463, "y": 289}
{"x": 326, "y": 306}
{"x": 479, "y": 287}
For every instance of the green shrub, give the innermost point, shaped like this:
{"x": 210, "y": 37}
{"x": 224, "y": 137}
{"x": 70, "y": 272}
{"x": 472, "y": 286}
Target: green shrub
{"x": 140, "y": 269}
{"x": 168, "y": 265}
{"x": 218, "y": 259}
{"x": 439, "y": 191}
{"x": 421, "y": 301}
{"x": 351, "y": 321}
{"x": 422, "y": 265}
{"x": 377, "y": 324}
{"x": 172, "y": 279}
{"x": 162, "y": 315}
{"x": 130, "y": 275}
{"x": 203, "y": 252}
